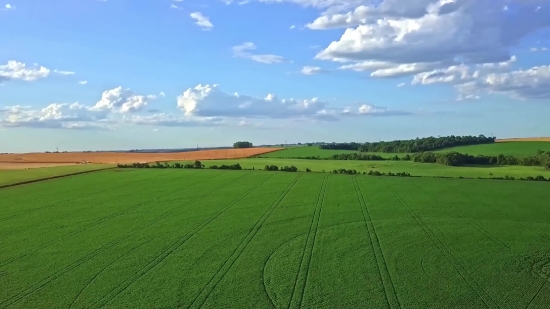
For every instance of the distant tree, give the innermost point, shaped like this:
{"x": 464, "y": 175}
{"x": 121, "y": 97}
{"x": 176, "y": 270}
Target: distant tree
{"x": 197, "y": 164}
{"x": 242, "y": 145}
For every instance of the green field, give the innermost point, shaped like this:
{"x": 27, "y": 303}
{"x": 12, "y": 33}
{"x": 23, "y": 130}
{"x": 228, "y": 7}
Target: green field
{"x": 505, "y": 148}
{"x": 415, "y": 169}
{"x": 15, "y": 176}
{"x": 305, "y": 151}
{"x": 244, "y": 239}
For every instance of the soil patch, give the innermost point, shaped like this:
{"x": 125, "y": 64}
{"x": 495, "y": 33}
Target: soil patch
{"x": 128, "y": 157}
{"x": 21, "y": 166}
{"x": 525, "y": 139}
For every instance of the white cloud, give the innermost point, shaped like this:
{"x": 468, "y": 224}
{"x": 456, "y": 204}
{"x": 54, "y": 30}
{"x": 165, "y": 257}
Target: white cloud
{"x": 83, "y": 82}
{"x": 201, "y": 20}
{"x": 243, "y": 51}
{"x": 533, "y": 83}
{"x": 411, "y": 36}
{"x": 210, "y": 101}
{"x": 400, "y": 84}
{"x": 18, "y": 70}
{"x": 310, "y": 70}
{"x": 536, "y": 49}
{"x": 162, "y": 94}
{"x": 292, "y": 27}
{"x": 176, "y": 7}
{"x": 122, "y": 100}
{"x": 63, "y": 72}
{"x": 9, "y": 7}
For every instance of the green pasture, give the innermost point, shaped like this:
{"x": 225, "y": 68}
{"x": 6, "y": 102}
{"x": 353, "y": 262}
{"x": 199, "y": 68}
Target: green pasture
{"x": 305, "y": 151}
{"x": 177, "y": 238}
{"x": 416, "y": 169}
{"x": 15, "y": 176}
{"x": 505, "y": 148}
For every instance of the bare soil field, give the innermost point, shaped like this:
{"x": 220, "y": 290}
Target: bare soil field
{"x": 525, "y": 139}
{"x": 127, "y": 157}
{"x": 21, "y": 166}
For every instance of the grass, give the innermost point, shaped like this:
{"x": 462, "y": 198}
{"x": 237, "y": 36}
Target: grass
{"x": 244, "y": 239}
{"x": 416, "y": 169}
{"x": 15, "y": 176}
{"x": 506, "y": 148}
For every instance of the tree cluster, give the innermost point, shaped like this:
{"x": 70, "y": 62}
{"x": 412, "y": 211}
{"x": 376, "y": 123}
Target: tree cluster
{"x": 459, "y": 159}
{"x": 235, "y": 166}
{"x": 413, "y": 145}
{"x": 275, "y": 168}
{"x": 242, "y": 145}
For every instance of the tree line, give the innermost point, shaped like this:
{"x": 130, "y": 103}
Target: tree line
{"x": 446, "y": 158}
{"x": 412, "y": 145}
{"x": 242, "y": 145}
{"x": 199, "y": 165}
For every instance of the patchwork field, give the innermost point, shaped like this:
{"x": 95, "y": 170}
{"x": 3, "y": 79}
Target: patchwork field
{"x": 250, "y": 239}
{"x": 415, "y": 169}
{"x": 305, "y": 151}
{"x": 525, "y": 148}
{"x": 127, "y": 157}
{"x": 18, "y": 175}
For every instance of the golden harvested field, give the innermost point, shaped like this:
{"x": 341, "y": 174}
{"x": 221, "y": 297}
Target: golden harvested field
{"x": 125, "y": 157}
{"x": 20, "y": 166}
{"x": 525, "y": 139}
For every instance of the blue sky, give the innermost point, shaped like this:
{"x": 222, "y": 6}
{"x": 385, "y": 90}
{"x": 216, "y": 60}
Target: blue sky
{"x": 120, "y": 74}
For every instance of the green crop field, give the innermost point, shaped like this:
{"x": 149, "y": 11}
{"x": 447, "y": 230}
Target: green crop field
{"x": 175, "y": 238}
{"x": 305, "y": 151}
{"x": 415, "y": 169}
{"x": 15, "y": 176}
{"x": 505, "y": 148}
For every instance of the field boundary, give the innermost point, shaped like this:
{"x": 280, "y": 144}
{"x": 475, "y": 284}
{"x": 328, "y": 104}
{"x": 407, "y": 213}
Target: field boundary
{"x": 26, "y": 182}
{"x": 90, "y": 255}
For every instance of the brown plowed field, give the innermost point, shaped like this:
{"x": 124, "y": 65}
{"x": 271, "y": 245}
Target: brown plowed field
{"x": 124, "y": 157}
{"x": 525, "y": 139}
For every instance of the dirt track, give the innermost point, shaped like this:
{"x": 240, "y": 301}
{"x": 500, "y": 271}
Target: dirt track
{"x": 123, "y": 157}
{"x": 525, "y": 139}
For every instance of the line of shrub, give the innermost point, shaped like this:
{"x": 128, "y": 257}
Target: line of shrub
{"x": 199, "y": 165}
{"x": 448, "y": 158}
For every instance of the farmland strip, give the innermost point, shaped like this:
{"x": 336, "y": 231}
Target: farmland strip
{"x": 26, "y": 182}
{"x": 474, "y": 285}
{"x": 42, "y": 283}
{"x": 301, "y": 281}
{"x": 93, "y": 224}
{"x": 201, "y": 298}
{"x": 58, "y": 203}
{"x": 175, "y": 246}
{"x": 385, "y": 276}
{"x": 124, "y": 184}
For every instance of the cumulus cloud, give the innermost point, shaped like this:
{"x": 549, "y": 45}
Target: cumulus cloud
{"x": 210, "y": 101}
{"x": 54, "y": 116}
{"x": 122, "y": 100}
{"x": 83, "y": 82}
{"x": 460, "y": 42}
{"x": 243, "y": 51}
{"x": 476, "y": 31}
{"x": 201, "y": 20}
{"x": 101, "y": 115}
{"x": 14, "y": 70}
{"x": 533, "y": 83}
